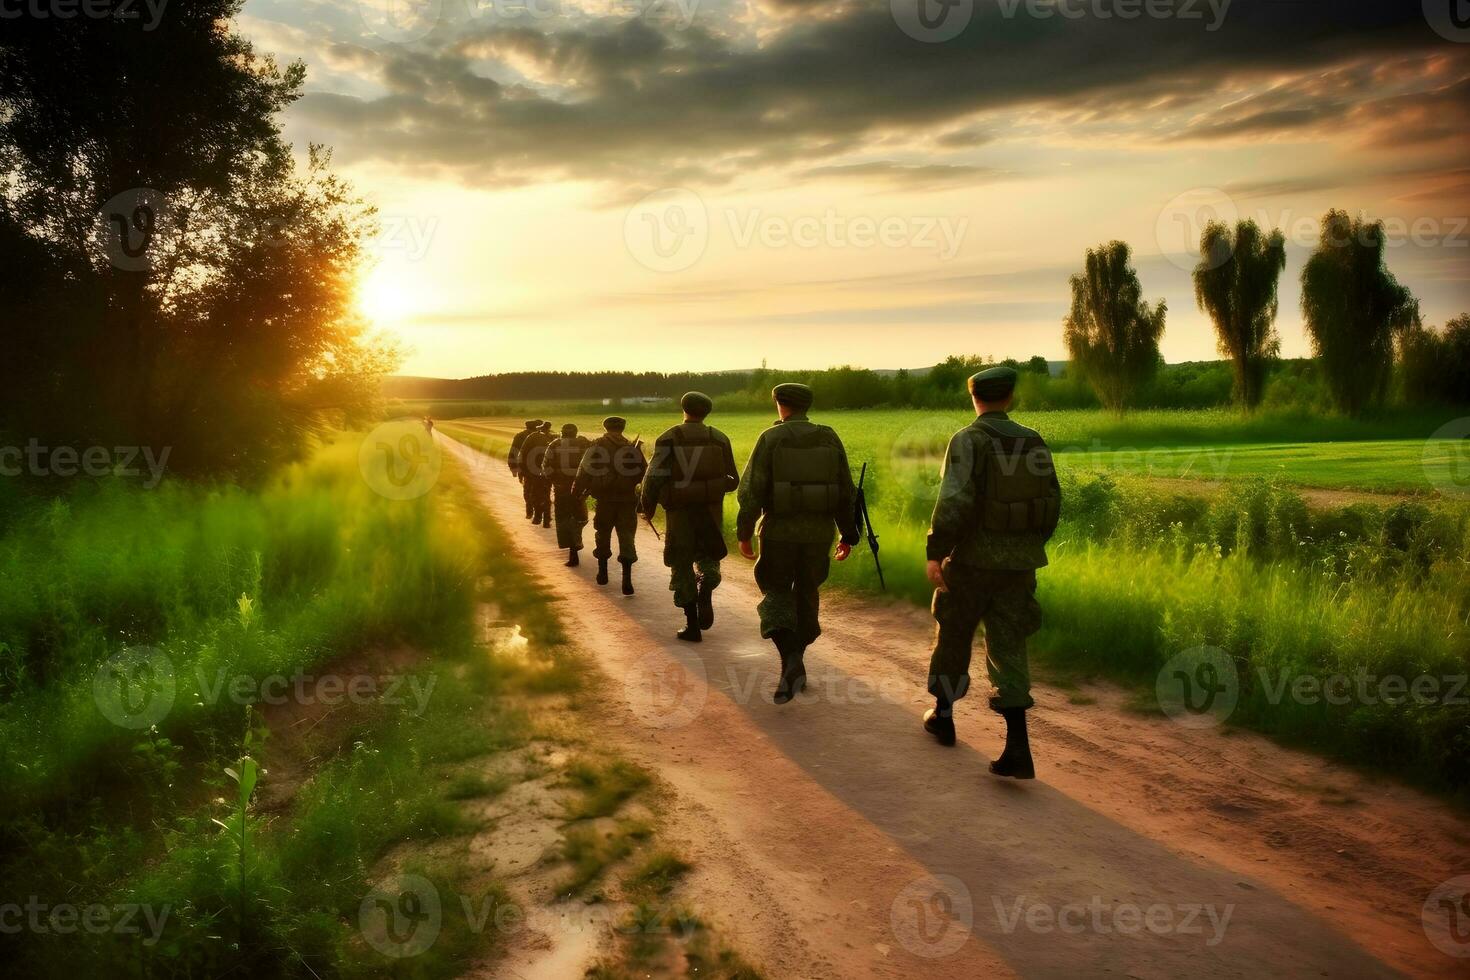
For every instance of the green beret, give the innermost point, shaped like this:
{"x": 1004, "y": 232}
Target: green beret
{"x": 993, "y": 384}
{"x": 533, "y": 423}
{"x": 797, "y": 396}
{"x": 697, "y": 403}
{"x": 568, "y": 430}
{"x": 615, "y": 423}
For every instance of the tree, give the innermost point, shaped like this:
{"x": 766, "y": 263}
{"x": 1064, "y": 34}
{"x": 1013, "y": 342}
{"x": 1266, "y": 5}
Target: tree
{"x": 1235, "y": 284}
{"x": 1435, "y": 367}
{"x": 1038, "y": 365}
{"x": 179, "y": 282}
{"x": 1353, "y": 308}
{"x": 1111, "y": 333}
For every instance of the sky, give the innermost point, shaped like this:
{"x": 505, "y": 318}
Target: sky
{"x": 709, "y": 184}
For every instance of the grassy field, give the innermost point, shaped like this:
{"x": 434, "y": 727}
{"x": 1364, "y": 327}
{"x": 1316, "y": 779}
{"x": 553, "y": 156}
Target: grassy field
{"x": 1142, "y": 571}
{"x": 314, "y": 694}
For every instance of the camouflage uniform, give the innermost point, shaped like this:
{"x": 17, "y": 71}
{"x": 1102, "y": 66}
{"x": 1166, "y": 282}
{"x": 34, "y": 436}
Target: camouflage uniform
{"x": 991, "y": 576}
{"x": 564, "y": 458}
{"x": 795, "y": 552}
{"x": 537, "y": 477}
{"x": 694, "y": 539}
{"x": 616, "y": 494}
{"x": 513, "y": 460}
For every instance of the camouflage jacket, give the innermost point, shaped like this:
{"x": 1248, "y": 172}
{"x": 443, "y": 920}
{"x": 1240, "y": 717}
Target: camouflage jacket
{"x": 756, "y": 482}
{"x": 514, "y": 456}
{"x": 954, "y": 530}
{"x": 695, "y": 533}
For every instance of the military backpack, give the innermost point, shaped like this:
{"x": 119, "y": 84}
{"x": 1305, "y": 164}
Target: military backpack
{"x": 698, "y": 476}
{"x": 806, "y": 473}
{"x": 1017, "y": 484}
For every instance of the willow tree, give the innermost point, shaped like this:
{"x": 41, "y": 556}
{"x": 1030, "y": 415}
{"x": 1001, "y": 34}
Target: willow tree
{"x": 1353, "y": 308}
{"x": 1235, "y": 285}
{"x": 1110, "y": 332}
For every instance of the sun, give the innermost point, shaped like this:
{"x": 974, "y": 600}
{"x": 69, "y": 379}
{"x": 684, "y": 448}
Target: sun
{"x": 383, "y": 299}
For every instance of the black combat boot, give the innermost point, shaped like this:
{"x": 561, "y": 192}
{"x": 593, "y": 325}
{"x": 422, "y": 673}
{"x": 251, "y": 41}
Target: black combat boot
{"x": 793, "y": 669}
{"x": 572, "y": 560}
{"x": 530, "y": 511}
{"x": 546, "y": 517}
{"x": 690, "y": 632}
{"x": 939, "y": 722}
{"x": 1015, "y": 758}
{"x": 706, "y": 603}
{"x": 602, "y": 571}
{"x": 627, "y": 576}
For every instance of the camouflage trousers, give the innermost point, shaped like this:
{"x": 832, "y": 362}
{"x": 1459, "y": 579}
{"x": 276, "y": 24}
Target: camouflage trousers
{"x": 789, "y": 575}
{"x": 1005, "y": 603}
{"x": 686, "y": 576}
{"x": 619, "y": 516}
{"x": 571, "y": 516}
{"x": 538, "y": 495}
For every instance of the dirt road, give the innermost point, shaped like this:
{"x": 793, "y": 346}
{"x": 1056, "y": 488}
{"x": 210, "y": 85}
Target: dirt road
{"x": 833, "y": 838}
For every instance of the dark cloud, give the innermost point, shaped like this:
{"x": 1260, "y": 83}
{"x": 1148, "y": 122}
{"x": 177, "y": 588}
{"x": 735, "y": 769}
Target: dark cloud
{"x": 633, "y": 102}
{"x": 910, "y": 176}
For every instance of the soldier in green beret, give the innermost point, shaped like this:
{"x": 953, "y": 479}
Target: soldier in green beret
{"x": 514, "y": 460}
{"x": 797, "y": 484}
{"x": 998, "y": 504}
{"x": 692, "y": 469}
{"x": 537, "y": 474}
{"x": 610, "y": 473}
{"x": 564, "y": 458}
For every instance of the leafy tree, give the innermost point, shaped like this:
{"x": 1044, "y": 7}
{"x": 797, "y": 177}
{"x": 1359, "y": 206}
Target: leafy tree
{"x": 1038, "y": 365}
{"x": 1435, "y": 367}
{"x": 1353, "y": 307}
{"x": 1111, "y": 333}
{"x": 177, "y": 281}
{"x": 1235, "y": 283}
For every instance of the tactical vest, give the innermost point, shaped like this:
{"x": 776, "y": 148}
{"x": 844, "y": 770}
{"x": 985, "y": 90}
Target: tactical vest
{"x": 805, "y": 475}
{"x": 563, "y": 458}
{"x": 615, "y": 471}
{"x": 698, "y": 471}
{"x": 1017, "y": 487}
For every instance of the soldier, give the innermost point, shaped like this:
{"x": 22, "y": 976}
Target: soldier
{"x": 536, "y": 474}
{"x": 563, "y": 458}
{"x": 693, "y": 467}
{"x": 998, "y": 505}
{"x": 610, "y": 473}
{"x": 798, "y": 484}
{"x": 514, "y": 459}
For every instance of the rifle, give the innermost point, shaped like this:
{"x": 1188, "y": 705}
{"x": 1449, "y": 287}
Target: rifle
{"x": 638, "y": 504}
{"x": 861, "y": 518}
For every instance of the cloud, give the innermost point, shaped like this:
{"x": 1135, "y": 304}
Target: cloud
{"x": 634, "y": 101}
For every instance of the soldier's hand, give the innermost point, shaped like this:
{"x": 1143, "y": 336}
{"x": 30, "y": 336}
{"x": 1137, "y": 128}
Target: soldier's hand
{"x": 936, "y": 576}
{"x": 843, "y": 550}
{"x": 747, "y": 550}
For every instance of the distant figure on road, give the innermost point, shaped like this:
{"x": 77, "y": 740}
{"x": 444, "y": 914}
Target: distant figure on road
{"x": 536, "y": 473}
{"x": 798, "y": 485}
{"x": 998, "y": 505}
{"x": 429, "y": 426}
{"x": 513, "y": 458}
{"x": 692, "y": 469}
{"x": 611, "y": 471}
{"x": 563, "y": 458}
